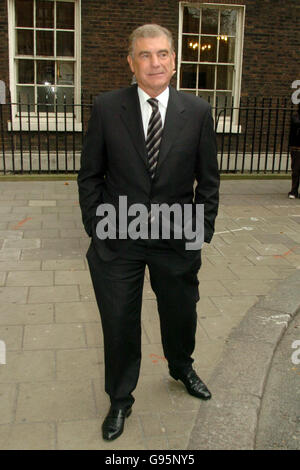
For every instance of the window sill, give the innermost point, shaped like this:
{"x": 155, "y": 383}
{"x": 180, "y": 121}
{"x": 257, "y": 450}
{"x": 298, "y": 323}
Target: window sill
{"x": 43, "y": 126}
{"x": 228, "y": 129}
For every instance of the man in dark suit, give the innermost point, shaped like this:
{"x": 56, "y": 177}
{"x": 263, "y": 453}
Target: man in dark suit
{"x": 149, "y": 143}
{"x": 294, "y": 143}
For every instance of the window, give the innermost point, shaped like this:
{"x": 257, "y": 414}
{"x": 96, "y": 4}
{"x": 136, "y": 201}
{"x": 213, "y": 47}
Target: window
{"x": 210, "y": 52}
{"x": 44, "y": 56}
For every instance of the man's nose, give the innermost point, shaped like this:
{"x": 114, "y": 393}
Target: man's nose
{"x": 155, "y": 60}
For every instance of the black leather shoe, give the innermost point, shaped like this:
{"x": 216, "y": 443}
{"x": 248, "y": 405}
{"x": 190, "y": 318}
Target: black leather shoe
{"x": 193, "y": 384}
{"x": 113, "y": 425}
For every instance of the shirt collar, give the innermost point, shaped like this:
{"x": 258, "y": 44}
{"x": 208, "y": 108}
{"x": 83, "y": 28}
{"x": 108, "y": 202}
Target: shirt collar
{"x": 163, "y": 98}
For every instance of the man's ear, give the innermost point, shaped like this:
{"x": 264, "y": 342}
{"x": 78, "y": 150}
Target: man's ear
{"x": 130, "y": 62}
{"x": 174, "y": 57}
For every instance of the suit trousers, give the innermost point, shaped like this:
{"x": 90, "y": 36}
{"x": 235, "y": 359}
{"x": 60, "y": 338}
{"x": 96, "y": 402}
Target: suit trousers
{"x": 118, "y": 286}
{"x": 295, "y": 164}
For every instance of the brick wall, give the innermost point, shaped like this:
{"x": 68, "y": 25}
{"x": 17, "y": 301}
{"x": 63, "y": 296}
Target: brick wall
{"x": 271, "y": 42}
{"x": 4, "y": 70}
{"x": 270, "y": 59}
{"x": 106, "y": 26}
{"x": 271, "y": 47}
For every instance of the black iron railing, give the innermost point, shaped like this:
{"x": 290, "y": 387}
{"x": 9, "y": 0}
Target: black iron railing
{"x": 47, "y": 138}
{"x": 254, "y": 137}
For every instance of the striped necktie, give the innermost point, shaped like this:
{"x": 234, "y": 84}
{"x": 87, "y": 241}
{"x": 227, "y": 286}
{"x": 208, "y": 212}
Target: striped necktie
{"x": 154, "y": 134}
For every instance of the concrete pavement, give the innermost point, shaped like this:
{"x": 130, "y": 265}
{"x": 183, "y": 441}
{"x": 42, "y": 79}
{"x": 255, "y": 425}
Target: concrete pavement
{"x": 52, "y": 384}
{"x": 279, "y": 418}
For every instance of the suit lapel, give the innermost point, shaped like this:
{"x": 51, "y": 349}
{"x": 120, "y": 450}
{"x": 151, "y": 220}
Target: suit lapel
{"x": 132, "y": 118}
{"x": 174, "y": 122}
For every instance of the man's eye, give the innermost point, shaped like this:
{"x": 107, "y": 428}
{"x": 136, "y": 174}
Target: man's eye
{"x": 163, "y": 55}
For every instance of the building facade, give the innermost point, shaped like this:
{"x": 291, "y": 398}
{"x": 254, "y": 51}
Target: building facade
{"x": 60, "y": 53}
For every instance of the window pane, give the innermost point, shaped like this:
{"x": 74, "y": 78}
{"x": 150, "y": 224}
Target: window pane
{"x": 188, "y": 76}
{"x": 45, "y": 98}
{"x": 25, "y": 71}
{"x": 65, "y": 73}
{"x": 25, "y": 96}
{"x": 24, "y": 13}
{"x": 228, "y": 22}
{"x": 45, "y": 36}
{"x": 190, "y": 92}
{"x": 206, "y": 77}
{"x": 65, "y": 44}
{"x": 24, "y": 42}
{"x": 209, "y": 24}
{"x": 190, "y": 20}
{"x": 208, "y": 49}
{"x": 224, "y": 77}
{"x": 207, "y": 95}
{"x": 190, "y": 48}
{"x": 44, "y": 43}
{"x": 226, "y": 49}
{"x": 44, "y": 14}
{"x": 224, "y": 99}
{"x": 64, "y": 95}
{"x": 65, "y": 15}
{"x": 45, "y": 71}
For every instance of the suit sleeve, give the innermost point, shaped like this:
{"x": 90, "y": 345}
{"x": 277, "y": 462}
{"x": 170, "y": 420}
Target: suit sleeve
{"x": 91, "y": 176}
{"x": 207, "y": 175}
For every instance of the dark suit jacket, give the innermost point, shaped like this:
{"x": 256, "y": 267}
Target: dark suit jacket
{"x": 294, "y": 137}
{"x": 114, "y": 161}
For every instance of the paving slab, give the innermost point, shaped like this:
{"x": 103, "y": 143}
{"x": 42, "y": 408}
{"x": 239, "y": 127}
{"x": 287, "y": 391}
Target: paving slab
{"x": 77, "y": 312}
{"x": 29, "y": 278}
{"x": 279, "y": 418}
{"x": 83, "y": 363}
{"x": 93, "y": 333}
{"x": 72, "y": 277}
{"x": 10, "y": 234}
{"x": 8, "y": 394}
{"x": 42, "y": 234}
{"x": 38, "y": 436}
{"x": 52, "y": 384}
{"x": 2, "y": 279}
{"x": 26, "y": 314}
{"x": 9, "y": 254}
{"x": 51, "y": 293}
{"x": 28, "y": 366}
{"x": 240, "y": 377}
{"x": 55, "y": 401}
{"x": 24, "y": 244}
{"x": 54, "y": 336}
{"x": 13, "y": 295}
{"x": 41, "y": 203}
{"x": 84, "y": 435}
{"x": 63, "y": 264}
{"x": 12, "y": 336}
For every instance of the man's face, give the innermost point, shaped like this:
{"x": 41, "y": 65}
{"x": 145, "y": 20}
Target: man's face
{"x": 153, "y": 64}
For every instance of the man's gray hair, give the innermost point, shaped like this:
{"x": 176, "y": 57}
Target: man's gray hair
{"x": 149, "y": 31}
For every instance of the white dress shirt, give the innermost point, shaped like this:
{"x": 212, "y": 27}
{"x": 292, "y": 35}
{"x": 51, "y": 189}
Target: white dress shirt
{"x": 146, "y": 108}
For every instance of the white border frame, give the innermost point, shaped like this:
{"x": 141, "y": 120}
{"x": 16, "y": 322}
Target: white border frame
{"x": 238, "y": 59}
{"x": 43, "y": 126}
